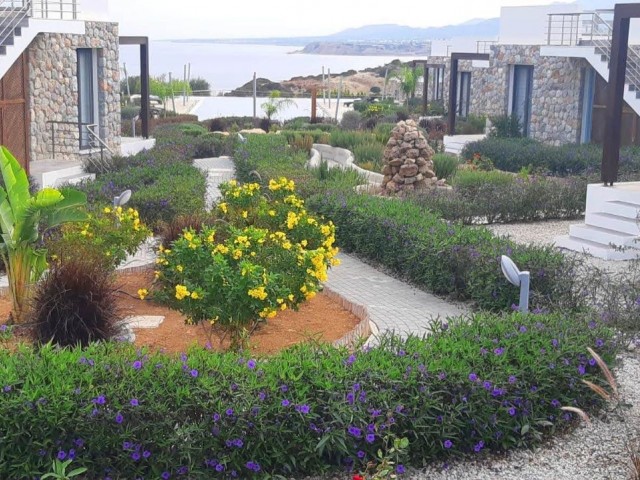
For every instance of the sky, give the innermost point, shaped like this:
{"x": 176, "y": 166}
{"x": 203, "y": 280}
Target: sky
{"x": 168, "y": 19}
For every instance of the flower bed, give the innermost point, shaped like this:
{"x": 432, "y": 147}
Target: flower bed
{"x": 486, "y": 383}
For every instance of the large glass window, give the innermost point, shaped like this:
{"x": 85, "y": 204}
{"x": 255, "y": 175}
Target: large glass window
{"x": 87, "y": 93}
{"x": 463, "y": 94}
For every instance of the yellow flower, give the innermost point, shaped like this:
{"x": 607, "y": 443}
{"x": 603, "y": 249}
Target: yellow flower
{"x": 221, "y": 249}
{"x": 156, "y": 274}
{"x": 233, "y": 183}
{"x": 182, "y": 292}
{"x": 142, "y": 293}
{"x": 279, "y": 300}
{"x": 310, "y": 295}
{"x": 211, "y": 238}
{"x": 214, "y": 320}
{"x": 223, "y": 207}
{"x": 107, "y": 210}
{"x": 83, "y": 232}
{"x": 258, "y": 293}
{"x": 272, "y": 213}
{"x": 237, "y": 254}
{"x": 335, "y": 262}
{"x": 292, "y": 220}
{"x": 245, "y": 214}
{"x": 195, "y": 295}
{"x": 188, "y": 236}
{"x": 286, "y": 245}
{"x": 304, "y": 243}
{"x": 180, "y": 268}
{"x": 326, "y": 230}
{"x": 283, "y": 307}
{"x": 291, "y": 297}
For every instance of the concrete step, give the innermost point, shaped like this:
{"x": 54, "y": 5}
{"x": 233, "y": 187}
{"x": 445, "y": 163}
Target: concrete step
{"x": 596, "y": 249}
{"x": 613, "y": 222}
{"x": 74, "y": 179}
{"x": 620, "y": 208}
{"x": 602, "y": 235}
{"x": 48, "y": 176}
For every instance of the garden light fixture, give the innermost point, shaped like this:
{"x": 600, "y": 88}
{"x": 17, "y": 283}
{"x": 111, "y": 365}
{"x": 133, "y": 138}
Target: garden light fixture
{"x": 121, "y": 199}
{"x": 517, "y": 278}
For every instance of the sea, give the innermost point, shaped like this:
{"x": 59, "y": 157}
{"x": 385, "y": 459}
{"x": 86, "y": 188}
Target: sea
{"x": 229, "y": 66}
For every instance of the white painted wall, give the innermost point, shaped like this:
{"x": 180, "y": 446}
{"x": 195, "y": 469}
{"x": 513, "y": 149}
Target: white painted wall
{"x": 97, "y": 10}
{"x": 528, "y": 25}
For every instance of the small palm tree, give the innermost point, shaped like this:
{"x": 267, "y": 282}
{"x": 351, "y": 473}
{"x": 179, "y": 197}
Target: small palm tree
{"x": 275, "y": 104}
{"x": 408, "y": 78}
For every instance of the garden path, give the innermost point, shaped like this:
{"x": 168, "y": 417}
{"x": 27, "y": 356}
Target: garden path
{"x": 392, "y": 304}
{"x": 218, "y": 170}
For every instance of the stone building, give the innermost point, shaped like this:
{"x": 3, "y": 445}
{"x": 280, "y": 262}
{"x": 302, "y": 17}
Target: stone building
{"x": 59, "y": 87}
{"x": 550, "y": 69}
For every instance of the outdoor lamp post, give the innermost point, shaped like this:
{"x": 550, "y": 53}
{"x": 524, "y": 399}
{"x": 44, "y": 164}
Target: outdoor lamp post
{"x": 517, "y": 278}
{"x": 121, "y": 199}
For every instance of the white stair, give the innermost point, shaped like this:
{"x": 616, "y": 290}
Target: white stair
{"x": 611, "y": 229}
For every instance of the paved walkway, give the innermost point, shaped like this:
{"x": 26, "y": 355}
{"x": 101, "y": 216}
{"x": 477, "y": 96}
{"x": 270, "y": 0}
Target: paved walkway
{"x": 392, "y": 305}
{"x": 218, "y": 170}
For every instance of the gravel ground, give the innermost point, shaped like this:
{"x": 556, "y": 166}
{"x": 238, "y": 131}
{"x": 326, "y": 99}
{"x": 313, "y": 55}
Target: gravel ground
{"x": 543, "y": 233}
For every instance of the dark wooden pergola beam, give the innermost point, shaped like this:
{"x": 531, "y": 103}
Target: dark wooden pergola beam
{"x": 453, "y": 84}
{"x": 143, "y": 42}
{"x": 623, "y": 13}
{"x": 425, "y": 86}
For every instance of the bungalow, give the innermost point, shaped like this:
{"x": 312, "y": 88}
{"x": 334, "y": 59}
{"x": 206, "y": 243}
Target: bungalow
{"x": 59, "y": 80}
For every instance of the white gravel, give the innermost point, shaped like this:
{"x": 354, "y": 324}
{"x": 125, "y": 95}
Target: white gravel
{"x": 543, "y": 233}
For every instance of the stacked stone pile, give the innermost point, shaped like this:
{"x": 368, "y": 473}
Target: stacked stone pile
{"x": 408, "y": 161}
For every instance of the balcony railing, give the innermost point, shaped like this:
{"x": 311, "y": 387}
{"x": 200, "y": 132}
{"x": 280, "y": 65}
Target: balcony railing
{"x": 484, "y": 46}
{"x": 56, "y": 10}
{"x": 571, "y": 29}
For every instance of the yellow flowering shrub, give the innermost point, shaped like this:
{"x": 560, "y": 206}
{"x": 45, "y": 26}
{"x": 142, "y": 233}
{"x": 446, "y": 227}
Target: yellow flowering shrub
{"x": 110, "y": 232}
{"x": 266, "y": 255}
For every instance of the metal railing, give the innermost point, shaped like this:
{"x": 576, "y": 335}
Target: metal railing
{"x": 12, "y": 14}
{"x": 56, "y": 9}
{"x": 591, "y": 29}
{"x": 484, "y": 46}
{"x": 67, "y": 138}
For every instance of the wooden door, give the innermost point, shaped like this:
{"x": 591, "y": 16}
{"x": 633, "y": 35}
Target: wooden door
{"x": 14, "y": 110}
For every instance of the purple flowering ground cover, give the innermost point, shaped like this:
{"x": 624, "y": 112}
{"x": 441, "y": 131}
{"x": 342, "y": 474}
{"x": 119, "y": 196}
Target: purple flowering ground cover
{"x": 489, "y": 383}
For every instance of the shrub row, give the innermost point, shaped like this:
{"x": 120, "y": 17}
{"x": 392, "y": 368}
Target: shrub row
{"x": 496, "y": 197}
{"x": 513, "y": 154}
{"x": 480, "y": 384}
{"x": 154, "y": 123}
{"x": 444, "y": 257}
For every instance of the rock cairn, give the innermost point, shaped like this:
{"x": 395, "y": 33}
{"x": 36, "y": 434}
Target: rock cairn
{"x": 408, "y": 161}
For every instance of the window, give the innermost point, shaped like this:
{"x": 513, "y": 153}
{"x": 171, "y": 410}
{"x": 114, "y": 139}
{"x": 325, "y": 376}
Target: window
{"x": 463, "y": 94}
{"x": 520, "y": 101}
{"x": 588, "y": 93}
{"x": 87, "y": 93}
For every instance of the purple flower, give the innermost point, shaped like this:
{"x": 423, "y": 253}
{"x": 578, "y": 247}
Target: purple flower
{"x": 523, "y": 329}
{"x": 285, "y": 403}
{"x": 146, "y": 454}
{"x": 229, "y": 412}
{"x": 351, "y": 398}
{"x": 473, "y": 377}
{"x": 442, "y": 376}
{"x": 216, "y": 417}
{"x": 135, "y": 456}
{"x": 448, "y": 444}
{"x": 599, "y": 342}
{"x": 582, "y": 370}
{"x": 72, "y": 454}
{"x": 219, "y": 468}
{"x": 251, "y": 364}
{"x": 360, "y": 454}
{"x": 253, "y": 466}
{"x": 304, "y": 409}
{"x": 499, "y": 351}
{"x": 486, "y": 385}
{"x": 6, "y": 388}
{"x": 354, "y": 431}
{"x": 512, "y": 379}
{"x": 137, "y": 365}
{"x": 478, "y": 446}
{"x": 194, "y": 373}
{"x": 165, "y": 475}
{"x": 100, "y": 400}
{"x": 119, "y": 418}
{"x": 400, "y": 469}
{"x": 61, "y": 455}
{"x": 262, "y": 396}
{"x": 350, "y": 360}
{"x": 284, "y": 388}
{"x": 592, "y": 362}
{"x": 134, "y": 402}
{"x": 512, "y": 411}
{"x": 555, "y": 403}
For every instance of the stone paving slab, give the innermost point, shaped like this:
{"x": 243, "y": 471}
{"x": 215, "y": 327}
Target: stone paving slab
{"x": 143, "y": 321}
{"x": 392, "y": 304}
{"x": 218, "y": 170}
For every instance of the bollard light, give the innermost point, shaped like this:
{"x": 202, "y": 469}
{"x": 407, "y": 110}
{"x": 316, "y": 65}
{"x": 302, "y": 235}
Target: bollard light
{"x": 121, "y": 199}
{"x": 517, "y": 278}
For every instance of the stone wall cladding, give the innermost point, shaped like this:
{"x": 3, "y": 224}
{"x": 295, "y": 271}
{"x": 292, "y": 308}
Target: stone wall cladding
{"x": 556, "y": 97}
{"x": 53, "y": 86}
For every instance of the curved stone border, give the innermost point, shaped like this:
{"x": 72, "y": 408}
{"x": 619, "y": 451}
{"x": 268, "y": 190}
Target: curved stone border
{"x": 363, "y": 331}
{"x": 341, "y": 158}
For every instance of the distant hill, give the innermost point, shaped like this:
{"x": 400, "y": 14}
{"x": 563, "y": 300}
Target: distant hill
{"x": 480, "y": 29}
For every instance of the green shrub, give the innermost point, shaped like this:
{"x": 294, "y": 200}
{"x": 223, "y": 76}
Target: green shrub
{"x": 443, "y": 257}
{"x": 445, "y": 166}
{"x": 498, "y": 197}
{"x": 488, "y": 383}
{"x": 383, "y": 131}
{"x": 129, "y": 112}
{"x": 506, "y": 126}
{"x": 514, "y": 154}
{"x": 369, "y": 155}
{"x": 472, "y": 125}
{"x": 351, "y": 120}
{"x": 154, "y": 123}
{"x": 159, "y": 191}
{"x": 192, "y": 129}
